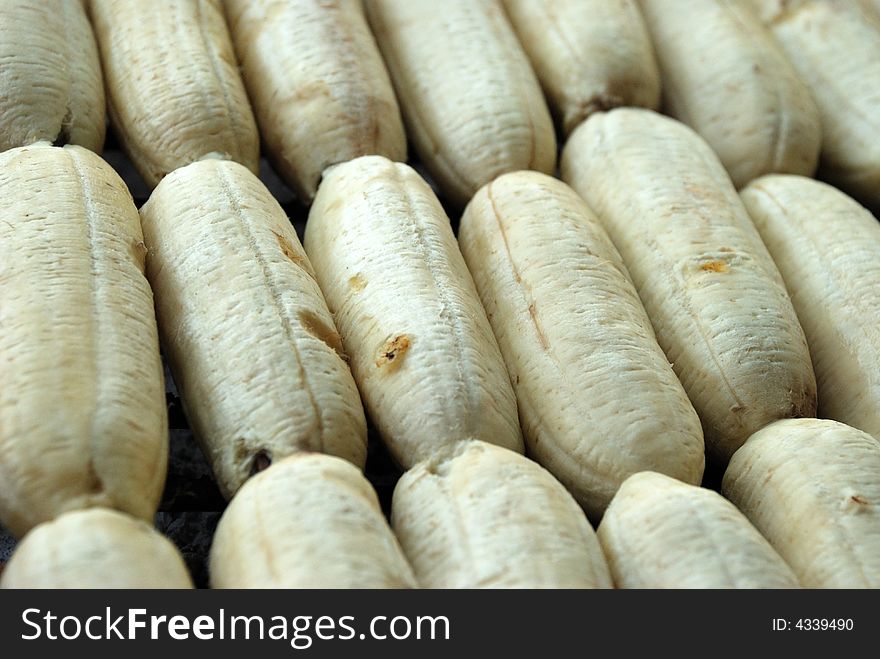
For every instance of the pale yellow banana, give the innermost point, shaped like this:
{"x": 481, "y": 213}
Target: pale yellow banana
{"x": 308, "y": 521}
{"x": 811, "y": 488}
{"x": 597, "y": 399}
{"x": 726, "y": 77}
{"x": 716, "y": 300}
{"x": 480, "y": 516}
{"x": 319, "y": 86}
{"x": 253, "y": 348}
{"x": 173, "y": 86}
{"x": 590, "y": 55}
{"x": 472, "y": 103}
{"x": 51, "y": 87}
{"x": 95, "y": 548}
{"x": 661, "y": 533}
{"x": 82, "y": 407}
{"x": 422, "y": 351}
{"x": 827, "y": 248}
{"x": 835, "y": 47}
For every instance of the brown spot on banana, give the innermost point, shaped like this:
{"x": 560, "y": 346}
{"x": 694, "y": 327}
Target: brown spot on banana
{"x": 357, "y": 283}
{"x": 288, "y": 249}
{"x": 323, "y": 332}
{"x": 542, "y": 338}
{"x": 391, "y": 353}
{"x": 854, "y": 503}
{"x": 714, "y": 266}
{"x": 261, "y": 462}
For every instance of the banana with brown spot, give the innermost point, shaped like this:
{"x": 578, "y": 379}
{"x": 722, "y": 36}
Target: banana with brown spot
{"x": 422, "y": 351}
{"x": 714, "y": 296}
{"x": 251, "y": 343}
{"x": 810, "y": 487}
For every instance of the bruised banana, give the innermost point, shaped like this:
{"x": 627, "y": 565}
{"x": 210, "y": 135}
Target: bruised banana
{"x": 245, "y": 328}
{"x": 421, "y": 349}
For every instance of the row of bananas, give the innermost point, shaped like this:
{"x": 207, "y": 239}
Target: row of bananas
{"x": 685, "y": 293}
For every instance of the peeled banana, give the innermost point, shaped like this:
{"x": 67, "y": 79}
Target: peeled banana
{"x": 308, "y": 521}
{"x": 82, "y": 407}
{"x": 173, "y": 87}
{"x": 811, "y": 488}
{"x": 590, "y": 55}
{"x": 51, "y": 87}
{"x": 422, "y": 351}
{"x": 835, "y": 47}
{"x": 480, "y": 516}
{"x": 318, "y": 84}
{"x": 597, "y": 399}
{"x": 472, "y": 103}
{"x": 661, "y": 533}
{"x": 254, "y": 351}
{"x": 714, "y": 296}
{"x": 827, "y": 248}
{"x": 726, "y": 77}
{"x": 95, "y": 548}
